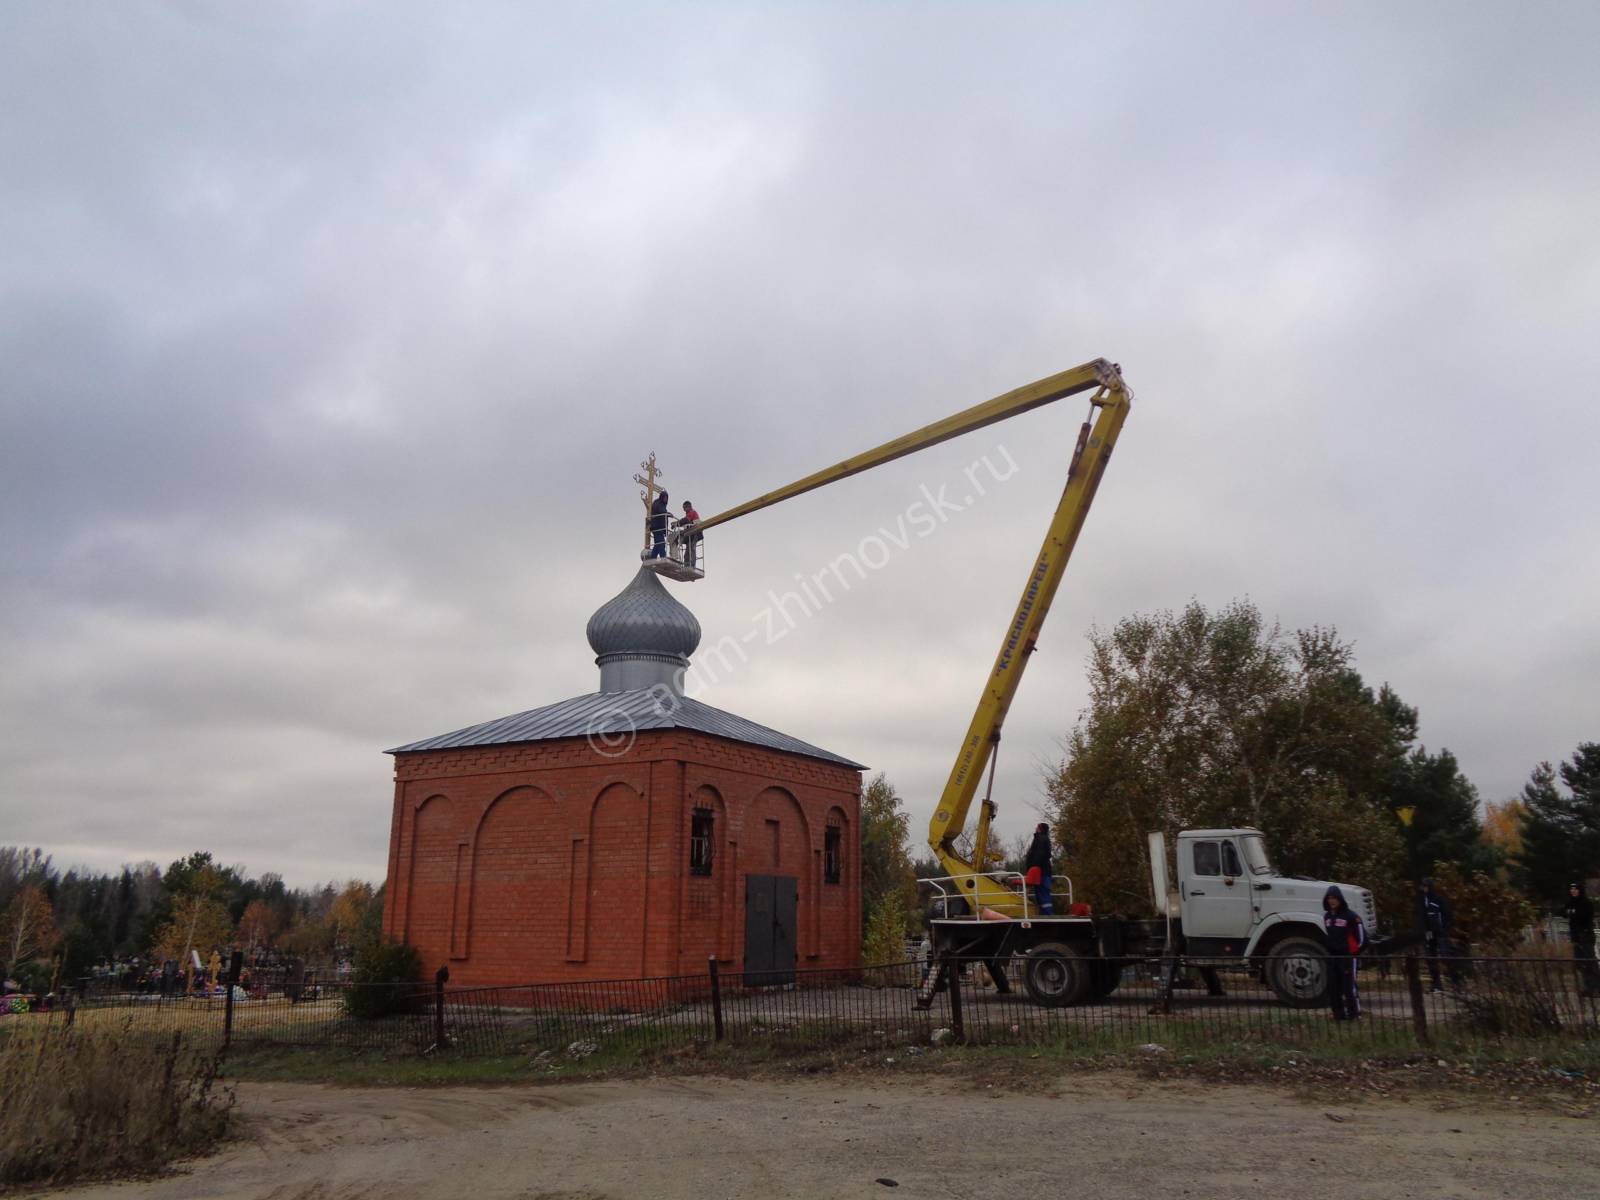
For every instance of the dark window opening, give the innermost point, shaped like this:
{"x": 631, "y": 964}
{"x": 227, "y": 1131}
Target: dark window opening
{"x": 701, "y": 825}
{"x": 1230, "y": 860}
{"x": 1207, "y": 859}
{"x": 832, "y": 854}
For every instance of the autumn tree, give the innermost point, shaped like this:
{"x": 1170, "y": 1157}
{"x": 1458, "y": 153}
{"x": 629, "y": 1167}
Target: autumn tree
{"x": 1560, "y": 828}
{"x": 1502, "y": 830}
{"x": 308, "y": 936}
{"x": 257, "y": 926}
{"x": 885, "y": 864}
{"x": 28, "y": 927}
{"x": 198, "y": 923}
{"x": 1201, "y": 719}
{"x": 199, "y": 919}
{"x": 20, "y": 866}
{"x": 346, "y": 912}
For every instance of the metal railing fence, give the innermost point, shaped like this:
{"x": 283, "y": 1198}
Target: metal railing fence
{"x": 1184, "y": 1002}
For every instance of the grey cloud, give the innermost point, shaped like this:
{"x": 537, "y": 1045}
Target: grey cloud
{"x": 331, "y": 340}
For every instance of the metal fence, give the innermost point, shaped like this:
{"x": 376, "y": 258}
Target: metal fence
{"x": 1175, "y": 1003}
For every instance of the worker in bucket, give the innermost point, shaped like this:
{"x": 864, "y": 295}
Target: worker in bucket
{"x": 691, "y": 539}
{"x": 1036, "y": 869}
{"x": 1346, "y": 935}
{"x": 660, "y": 514}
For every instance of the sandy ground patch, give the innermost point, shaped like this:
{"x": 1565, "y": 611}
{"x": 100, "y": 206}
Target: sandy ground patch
{"x": 1099, "y": 1135}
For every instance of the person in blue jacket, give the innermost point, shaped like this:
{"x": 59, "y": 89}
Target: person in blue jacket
{"x": 1038, "y": 860}
{"x": 1346, "y": 934}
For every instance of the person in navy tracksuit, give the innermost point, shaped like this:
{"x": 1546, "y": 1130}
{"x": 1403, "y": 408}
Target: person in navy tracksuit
{"x": 1346, "y": 934}
{"x": 660, "y": 514}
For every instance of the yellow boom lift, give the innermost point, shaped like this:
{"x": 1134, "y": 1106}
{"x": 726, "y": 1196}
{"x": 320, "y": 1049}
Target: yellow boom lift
{"x": 1109, "y": 402}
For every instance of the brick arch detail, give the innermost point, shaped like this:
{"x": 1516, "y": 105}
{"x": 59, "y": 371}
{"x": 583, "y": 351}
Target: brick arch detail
{"x": 514, "y": 880}
{"x": 610, "y": 886}
{"x": 836, "y": 902}
{"x": 432, "y": 876}
{"x": 706, "y": 900}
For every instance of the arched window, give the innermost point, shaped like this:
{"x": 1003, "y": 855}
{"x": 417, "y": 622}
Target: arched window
{"x": 702, "y": 840}
{"x": 832, "y": 853}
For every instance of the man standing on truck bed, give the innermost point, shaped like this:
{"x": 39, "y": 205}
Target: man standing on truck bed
{"x": 1346, "y": 934}
{"x": 1038, "y": 860}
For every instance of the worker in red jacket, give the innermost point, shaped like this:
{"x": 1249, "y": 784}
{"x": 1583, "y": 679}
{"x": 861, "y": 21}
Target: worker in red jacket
{"x": 691, "y": 539}
{"x": 1346, "y": 934}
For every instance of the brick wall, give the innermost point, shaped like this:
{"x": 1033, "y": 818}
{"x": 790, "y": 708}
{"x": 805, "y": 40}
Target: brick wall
{"x": 549, "y": 862}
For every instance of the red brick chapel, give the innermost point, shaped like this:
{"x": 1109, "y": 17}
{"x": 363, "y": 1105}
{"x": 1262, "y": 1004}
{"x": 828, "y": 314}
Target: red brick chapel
{"x": 628, "y": 833}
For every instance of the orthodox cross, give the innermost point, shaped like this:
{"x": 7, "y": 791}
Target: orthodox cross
{"x": 651, "y": 487}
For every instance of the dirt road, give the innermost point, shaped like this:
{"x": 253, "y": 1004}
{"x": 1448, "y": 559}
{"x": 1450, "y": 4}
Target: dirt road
{"x": 1098, "y": 1135}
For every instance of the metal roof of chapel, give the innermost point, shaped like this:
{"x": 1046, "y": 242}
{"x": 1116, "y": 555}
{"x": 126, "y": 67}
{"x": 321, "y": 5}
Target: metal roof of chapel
{"x": 616, "y": 713}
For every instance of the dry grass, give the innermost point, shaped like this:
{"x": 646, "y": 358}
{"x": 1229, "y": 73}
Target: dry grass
{"x": 86, "y": 1101}
{"x": 201, "y": 1020}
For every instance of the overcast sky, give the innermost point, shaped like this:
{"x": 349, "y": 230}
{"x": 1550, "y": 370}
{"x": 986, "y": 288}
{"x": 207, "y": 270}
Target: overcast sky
{"x": 331, "y": 335}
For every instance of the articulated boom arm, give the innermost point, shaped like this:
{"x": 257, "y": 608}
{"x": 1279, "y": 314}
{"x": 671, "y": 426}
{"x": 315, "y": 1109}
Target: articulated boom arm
{"x": 1083, "y": 477}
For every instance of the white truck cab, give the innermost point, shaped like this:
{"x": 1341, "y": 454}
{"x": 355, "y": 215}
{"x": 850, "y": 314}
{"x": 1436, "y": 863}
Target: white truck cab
{"x": 1231, "y": 902}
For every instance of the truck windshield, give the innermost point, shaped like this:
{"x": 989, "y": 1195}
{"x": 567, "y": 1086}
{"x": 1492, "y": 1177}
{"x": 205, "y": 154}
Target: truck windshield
{"x": 1255, "y": 853}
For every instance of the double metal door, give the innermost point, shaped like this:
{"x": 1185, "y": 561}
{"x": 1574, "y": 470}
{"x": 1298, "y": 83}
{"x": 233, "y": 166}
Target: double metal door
{"x": 769, "y": 928}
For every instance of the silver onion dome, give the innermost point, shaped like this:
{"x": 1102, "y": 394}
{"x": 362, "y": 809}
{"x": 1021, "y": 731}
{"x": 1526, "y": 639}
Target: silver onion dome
{"x": 642, "y": 637}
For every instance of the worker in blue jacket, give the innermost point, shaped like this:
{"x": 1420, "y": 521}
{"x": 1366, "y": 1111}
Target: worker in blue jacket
{"x": 1346, "y": 934}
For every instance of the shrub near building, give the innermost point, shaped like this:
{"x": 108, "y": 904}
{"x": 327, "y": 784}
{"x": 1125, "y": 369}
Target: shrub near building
{"x": 386, "y": 981}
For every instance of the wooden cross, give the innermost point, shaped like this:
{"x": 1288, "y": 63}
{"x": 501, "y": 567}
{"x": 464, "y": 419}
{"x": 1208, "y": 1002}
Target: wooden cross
{"x": 648, "y": 480}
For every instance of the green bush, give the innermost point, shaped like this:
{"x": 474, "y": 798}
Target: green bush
{"x": 386, "y": 982}
{"x": 79, "y": 1102}
{"x": 888, "y": 926}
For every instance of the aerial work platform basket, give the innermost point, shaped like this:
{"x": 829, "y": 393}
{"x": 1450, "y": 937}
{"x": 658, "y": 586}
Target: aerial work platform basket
{"x": 685, "y": 558}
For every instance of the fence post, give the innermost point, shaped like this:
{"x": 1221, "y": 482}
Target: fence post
{"x": 958, "y": 1025}
{"x": 1419, "y": 1004}
{"x": 230, "y": 977}
{"x": 716, "y": 996}
{"x": 439, "y": 978}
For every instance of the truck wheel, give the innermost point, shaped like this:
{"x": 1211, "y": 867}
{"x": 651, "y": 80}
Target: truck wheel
{"x": 1056, "y": 975}
{"x": 1298, "y": 971}
{"x": 1103, "y": 978}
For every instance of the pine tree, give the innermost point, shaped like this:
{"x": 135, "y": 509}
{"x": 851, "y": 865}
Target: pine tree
{"x": 1444, "y": 825}
{"x": 1561, "y": 832}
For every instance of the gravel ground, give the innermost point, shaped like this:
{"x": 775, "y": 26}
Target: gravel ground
{"x": 1105, "y": 1135}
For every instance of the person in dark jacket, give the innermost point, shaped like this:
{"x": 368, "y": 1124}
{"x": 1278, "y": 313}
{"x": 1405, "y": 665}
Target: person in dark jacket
{"x": 1039, "y": 858}
{"x": 1580, "y": 928}
{"x": 1346, "y": 934}
{"x": 659, "y": 516}
{"x": 1437, "y": 916}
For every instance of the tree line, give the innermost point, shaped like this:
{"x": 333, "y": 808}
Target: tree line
{"x": 1208, "y": 719}
{"x": 60, "y": 925}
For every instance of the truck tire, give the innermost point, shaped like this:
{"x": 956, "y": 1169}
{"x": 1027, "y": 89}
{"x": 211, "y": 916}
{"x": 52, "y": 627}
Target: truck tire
{"x": 1103, "y": 978}
{"x": 1297, "y": 969}
{"x": 1056, "y": 975}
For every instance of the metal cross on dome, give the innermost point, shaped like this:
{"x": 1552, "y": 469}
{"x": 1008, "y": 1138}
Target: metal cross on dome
{"x": 651, "y": 487}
